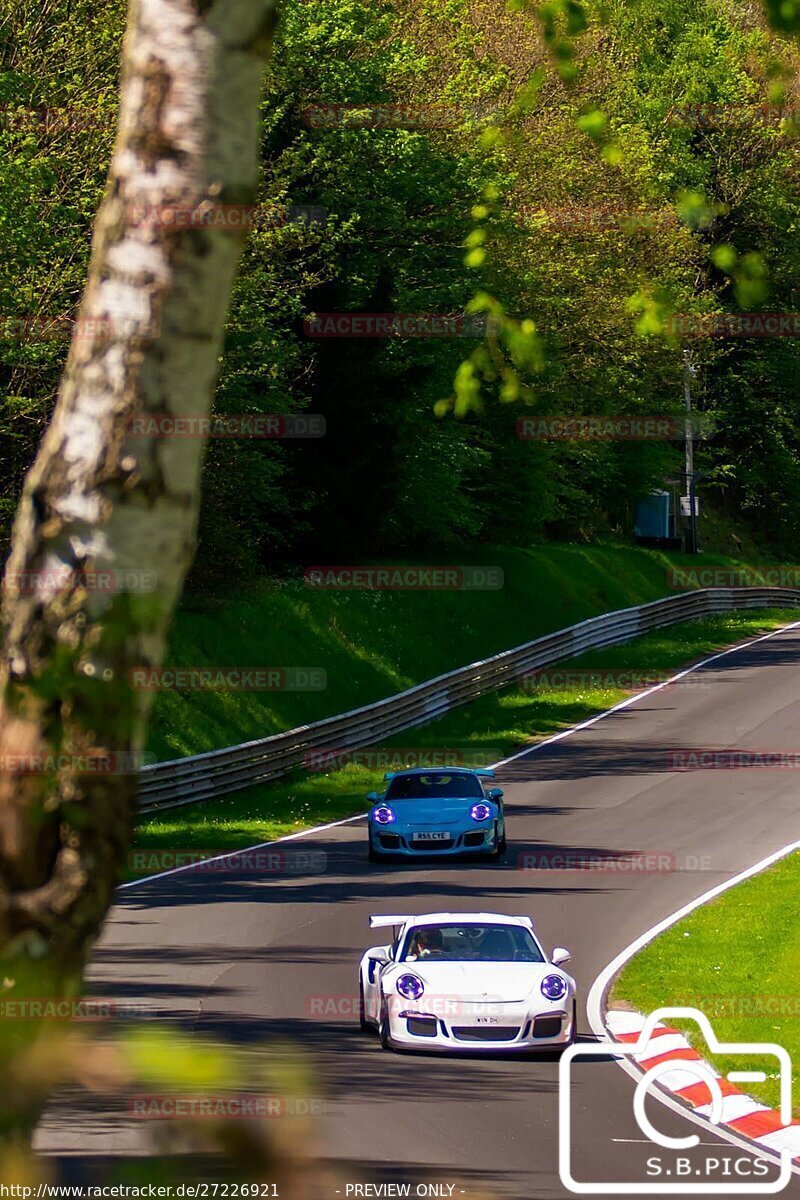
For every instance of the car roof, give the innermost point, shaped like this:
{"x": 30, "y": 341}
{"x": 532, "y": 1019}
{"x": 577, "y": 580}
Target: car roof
{"x": 439, "y": 771}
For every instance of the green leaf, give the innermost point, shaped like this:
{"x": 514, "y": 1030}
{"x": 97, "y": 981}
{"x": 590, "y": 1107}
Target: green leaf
{"x": 594, "y": 124}
{"x": 695, "y": 209}
{"x": 724, "y": 257}
{"x": 476, "y": 258}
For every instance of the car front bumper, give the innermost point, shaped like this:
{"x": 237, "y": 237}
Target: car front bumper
{"x": 387, "y": 843}
{"x": 514, "y": 1027}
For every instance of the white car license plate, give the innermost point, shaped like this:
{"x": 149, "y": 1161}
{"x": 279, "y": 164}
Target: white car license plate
{"x": 431, "y": 837}
{"x": 487, "y": 1020}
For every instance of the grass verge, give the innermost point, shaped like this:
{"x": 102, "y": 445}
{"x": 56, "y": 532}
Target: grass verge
{"x": 489, "y": 729}
{"x": 737, "y": 959}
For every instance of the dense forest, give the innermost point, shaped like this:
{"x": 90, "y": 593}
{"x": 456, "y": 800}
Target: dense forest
{"x": 597, "y": 184}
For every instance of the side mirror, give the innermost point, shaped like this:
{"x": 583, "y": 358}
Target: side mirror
{"x": 377, "y": 958}
{"x": 560, "y": 956}
{"x": 495, "y": 794}
{"x": 373, "y": 798}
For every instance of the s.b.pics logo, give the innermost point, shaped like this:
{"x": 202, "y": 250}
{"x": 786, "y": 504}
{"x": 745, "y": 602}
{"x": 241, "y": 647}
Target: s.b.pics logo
{"x": 755, "y": 1145}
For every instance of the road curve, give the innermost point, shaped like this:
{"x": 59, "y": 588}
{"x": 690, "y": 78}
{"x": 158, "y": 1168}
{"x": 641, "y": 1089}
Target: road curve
{"x": 244, "y": 957}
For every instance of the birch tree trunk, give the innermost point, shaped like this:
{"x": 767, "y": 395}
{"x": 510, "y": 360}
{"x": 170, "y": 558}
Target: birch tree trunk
{"x": 99, "y": 498}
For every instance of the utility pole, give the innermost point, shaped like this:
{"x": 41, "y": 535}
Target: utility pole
{"x": 690, "y": 491}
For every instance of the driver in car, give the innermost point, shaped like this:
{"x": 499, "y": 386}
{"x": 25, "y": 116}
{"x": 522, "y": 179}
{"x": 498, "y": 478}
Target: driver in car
{"x": 425, "y": 942}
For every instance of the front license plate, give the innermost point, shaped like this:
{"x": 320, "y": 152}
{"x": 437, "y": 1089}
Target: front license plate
{"x": 431, "y": 837}
{"x": 487, "y": 1020}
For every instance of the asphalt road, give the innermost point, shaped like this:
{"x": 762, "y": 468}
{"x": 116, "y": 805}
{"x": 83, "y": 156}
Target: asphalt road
{"x": 252, "y": 957}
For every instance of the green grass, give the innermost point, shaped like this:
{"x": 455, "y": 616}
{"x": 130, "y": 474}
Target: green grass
{"x": 491, "y": 727}
{"x": 373, "y": 644}
{"x": 736, "y": 959}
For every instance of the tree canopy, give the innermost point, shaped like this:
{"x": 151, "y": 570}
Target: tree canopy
{"x": 577, "y": 173}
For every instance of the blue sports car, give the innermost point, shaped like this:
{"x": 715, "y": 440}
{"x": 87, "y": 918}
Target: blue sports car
{"x": 444, "y": 811}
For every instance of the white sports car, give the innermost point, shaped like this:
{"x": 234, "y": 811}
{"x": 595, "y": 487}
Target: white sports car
{"x": 466, "y": 981}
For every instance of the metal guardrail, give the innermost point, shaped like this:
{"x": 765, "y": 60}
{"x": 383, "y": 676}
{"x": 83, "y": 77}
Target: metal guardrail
{"x": 214, "y": 774}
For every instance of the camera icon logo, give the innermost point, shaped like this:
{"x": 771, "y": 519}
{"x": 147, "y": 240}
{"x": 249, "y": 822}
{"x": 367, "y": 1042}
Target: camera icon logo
{"x": 638, "y": 1052}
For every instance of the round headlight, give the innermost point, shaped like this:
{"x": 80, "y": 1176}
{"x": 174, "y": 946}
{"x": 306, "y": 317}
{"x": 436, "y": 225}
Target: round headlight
{"x": 410, "y": 986}
{"x": 554, "y": 987}
{"x": 480, "y": 812}
{"x": 383, "y": 814}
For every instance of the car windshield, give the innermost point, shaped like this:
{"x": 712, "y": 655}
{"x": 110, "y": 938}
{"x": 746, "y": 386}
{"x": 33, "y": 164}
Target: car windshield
{"x": 471, "y": 943}
{"x": 436, "y": 784}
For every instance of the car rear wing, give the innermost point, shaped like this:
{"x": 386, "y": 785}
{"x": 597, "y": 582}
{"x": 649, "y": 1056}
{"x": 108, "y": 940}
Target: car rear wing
{"x": 380, "y": 922}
